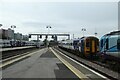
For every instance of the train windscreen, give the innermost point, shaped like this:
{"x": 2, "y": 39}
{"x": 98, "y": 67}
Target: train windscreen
{"x": 118, "y": 44}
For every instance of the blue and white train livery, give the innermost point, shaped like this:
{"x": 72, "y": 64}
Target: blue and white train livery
{"x": 110, "y": 46}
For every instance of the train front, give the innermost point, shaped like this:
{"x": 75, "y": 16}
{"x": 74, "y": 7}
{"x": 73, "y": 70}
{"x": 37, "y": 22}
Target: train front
{"x": 91, "y": 46}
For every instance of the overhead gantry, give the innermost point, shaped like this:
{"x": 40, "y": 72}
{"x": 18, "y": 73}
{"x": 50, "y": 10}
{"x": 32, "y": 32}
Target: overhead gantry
{"x": 54, "y": 36}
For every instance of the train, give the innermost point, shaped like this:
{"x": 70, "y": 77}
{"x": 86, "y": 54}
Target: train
{"x": 17, "y": 43}
{"x": 110, "y": 47}
{"x": 105, "y": 49}
{"x": 85, "y": 46}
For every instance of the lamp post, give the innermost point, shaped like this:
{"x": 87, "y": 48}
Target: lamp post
{"x": 13, "y": 27}
{"x": 48, "y": 27}
{"x": 83, "y": 29}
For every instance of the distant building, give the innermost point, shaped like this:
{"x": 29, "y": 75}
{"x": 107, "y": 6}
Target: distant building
{"x": 18, "y": 36}
{"x": 4, "y": 34}
{"x": 15, "y": 36}
{"x": 10, "y": 34}
{"x": 0, "y": 33}
{"x": 25, "y": 37}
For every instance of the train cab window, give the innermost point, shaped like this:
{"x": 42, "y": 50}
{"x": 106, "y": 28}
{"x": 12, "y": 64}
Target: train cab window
{"x": 107, "y": 45}
{"x": 87, "y": 44}
{"x": 101, "y": 43}
{"x": 118, "y": 44}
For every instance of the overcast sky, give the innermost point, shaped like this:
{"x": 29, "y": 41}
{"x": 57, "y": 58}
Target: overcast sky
{"x": 32, "y": 16}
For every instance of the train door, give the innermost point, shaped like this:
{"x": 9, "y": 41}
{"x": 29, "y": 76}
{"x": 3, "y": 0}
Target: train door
{"x": 93, "y": 46}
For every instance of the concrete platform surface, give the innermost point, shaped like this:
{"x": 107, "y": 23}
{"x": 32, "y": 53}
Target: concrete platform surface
{"x": 43, "y": 64}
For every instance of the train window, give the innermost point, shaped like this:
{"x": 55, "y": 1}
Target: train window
{"x": 78, "y": 44}
{"x": 107, "y": 45}
{"x": 66, "y": 43}
{"x": 69, "y": 43}
{"x": 118, "y": 44}
{"x": 74, "y": 43}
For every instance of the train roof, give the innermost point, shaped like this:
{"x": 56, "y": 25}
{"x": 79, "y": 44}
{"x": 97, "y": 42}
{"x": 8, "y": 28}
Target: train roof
{"x": 113, "y": 33}
{"x": 85, "y": 38}
{"x": 77, "y": 39}
{"x": 88, "y": 37}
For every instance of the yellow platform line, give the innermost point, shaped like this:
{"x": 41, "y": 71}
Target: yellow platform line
{"x": 17, "y": 59}
{"x": 72, "y": 68}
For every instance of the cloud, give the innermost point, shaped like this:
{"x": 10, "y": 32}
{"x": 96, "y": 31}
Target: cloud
{"x": 64, "y": 17}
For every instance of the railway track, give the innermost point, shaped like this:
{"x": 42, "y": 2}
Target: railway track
{"x": 112, "y": 67}
{"x": 11, "y": 53}
{"x": 97, "y": 61}
{"x": 11, "y": 60}
{"x": 15, "y": 55}
{"x": 99, "y": 67}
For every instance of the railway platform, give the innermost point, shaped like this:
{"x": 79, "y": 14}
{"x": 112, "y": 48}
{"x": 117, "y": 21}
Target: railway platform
{"x": 15, "y": 48}
{"x": 47, "y": 64}
{"x": 43, "y": 64}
